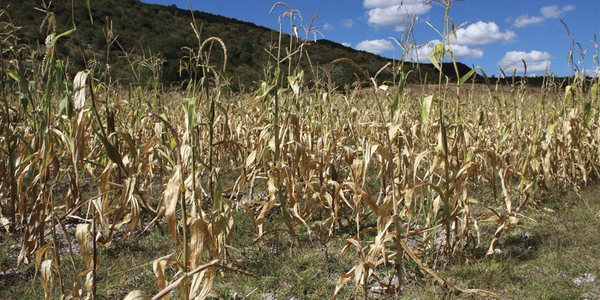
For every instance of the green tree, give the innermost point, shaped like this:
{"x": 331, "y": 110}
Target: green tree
{"x": 172, "y": 50}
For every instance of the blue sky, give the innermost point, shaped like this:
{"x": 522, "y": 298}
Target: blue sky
{"x": 498, "y": 34}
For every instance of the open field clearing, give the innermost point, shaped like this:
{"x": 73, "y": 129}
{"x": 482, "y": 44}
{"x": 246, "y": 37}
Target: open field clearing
{"x": 296, "y": 190}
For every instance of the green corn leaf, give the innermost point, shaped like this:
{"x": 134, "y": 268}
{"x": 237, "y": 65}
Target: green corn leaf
{"x": 586, "y": 113}
{"x": 399, "y": 92}
{"x": 487, "y": 80}
{"x": 87, "y": 3}
{"x": 454, "y": 31}
{"x": 437, "y": 53}
{"x": 190, "y": 107}
{"x": 62, "y": 107}
{"x": 568, "y": 93}
{"x": 481, "y": 117}
{"x": 467, "y": 76}
{"x": 425, "y": 111}
{"x": 64, "y": 34}
{"x": 14, "y": 75}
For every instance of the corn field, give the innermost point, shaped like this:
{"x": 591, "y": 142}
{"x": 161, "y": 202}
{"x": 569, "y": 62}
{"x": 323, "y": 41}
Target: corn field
{"x": 116, "y": 159}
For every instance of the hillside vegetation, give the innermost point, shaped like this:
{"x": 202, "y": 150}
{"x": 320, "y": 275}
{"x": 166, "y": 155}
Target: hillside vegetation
{"x": 143, "y": 30}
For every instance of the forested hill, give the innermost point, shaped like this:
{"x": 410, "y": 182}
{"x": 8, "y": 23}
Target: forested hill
{"x": 143, "y": 30}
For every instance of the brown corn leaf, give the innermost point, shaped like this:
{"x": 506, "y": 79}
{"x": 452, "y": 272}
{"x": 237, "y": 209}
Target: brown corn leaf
{"x": 271, "y": 186}
{"x": 129, "y": 142}
{"x": 159, "y": 271}
{"x": 89, "y": 280}
{"x": 199, "y": 238}
{"x": 82, "y": 232}
{"x": 250, "y": 159}
{"x": 186, "y": 156}
{"x": 138, "y": 295}
{"x": 371, "y": 203}
{"x": 342, "y": 281}
{"x": 357, "y": 169}
{"x": 39, "y": 255}
{"x": 47, "y": 278}
{"x": 507, "y": 196}
{"x": 496, "y": 237}
{"x": 171, "y": 195}
{"x": 79, "y": 89}
{"x": 382, "y": 151}
{"x": 175, "y": 284}
{"x": 208, "y": 277}
{"x": 103, "y": 222}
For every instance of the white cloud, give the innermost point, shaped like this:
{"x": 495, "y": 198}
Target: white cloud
{"x": 347, "y": 44}
{"x": 593, "y": 73}
{"x": 460, "y": 52}
{"x": 375, "y": 46}
{"x": 546, "y": 11}
{"x": 482, "y": 33}
{"x": 554, "y": 12}
{"x": 525, "y": 20}
{"x": 348, "y": 23}
{"x": 464, "y": 52}
{"x": 328, "y": 26}
{"x": 536, "y": 61}
{"x": 477, "y": 34}
{"x": 383, "y": 13}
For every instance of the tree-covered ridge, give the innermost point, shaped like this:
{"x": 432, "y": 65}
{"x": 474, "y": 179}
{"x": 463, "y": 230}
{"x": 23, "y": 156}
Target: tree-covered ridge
{"x": 143, "y": 30}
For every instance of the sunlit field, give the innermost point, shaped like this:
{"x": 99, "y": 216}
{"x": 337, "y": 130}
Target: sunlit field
{"x": 296, "y": 188}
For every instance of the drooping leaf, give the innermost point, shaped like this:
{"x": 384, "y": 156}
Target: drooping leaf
{"x": 467, "y": 76}
{"x": 138, "y": 295}
{"x": 79, "y": 89}
{"x": 171, "y": 195}
{"x": 82, "y": 234}
{"x": 426, "y": 110}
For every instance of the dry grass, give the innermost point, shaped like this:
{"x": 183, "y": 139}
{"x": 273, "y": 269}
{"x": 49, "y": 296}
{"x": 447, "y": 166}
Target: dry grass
{"x": 398, "y": 182}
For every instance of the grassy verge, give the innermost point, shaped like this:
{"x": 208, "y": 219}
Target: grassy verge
{"x": 554, "y": 255}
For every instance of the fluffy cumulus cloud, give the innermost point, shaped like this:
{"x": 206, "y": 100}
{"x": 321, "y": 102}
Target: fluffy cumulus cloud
{"x": 375, "y": 46}
{"x": 536, "y": 61}
{"x": 421, "y": 54}
{"x": 347, "y": 44}
{"x": 482, "y": 33}
{"x": 389, "y": 13}
{"x": 547, "y": 13}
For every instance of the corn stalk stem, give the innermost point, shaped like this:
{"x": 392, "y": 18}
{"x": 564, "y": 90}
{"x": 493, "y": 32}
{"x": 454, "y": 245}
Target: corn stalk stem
{"x": 447, "y": 178}
{"x": 55, "y": 246}
{"x": 94, "y": 254}
{"x": 282, "y": 200}
{"x": 185, "y": 241}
